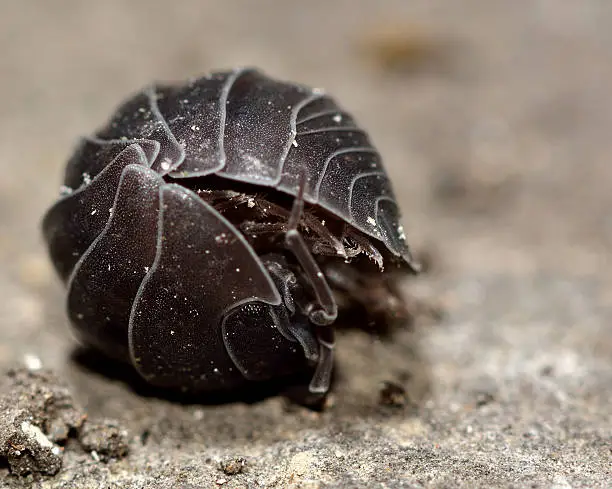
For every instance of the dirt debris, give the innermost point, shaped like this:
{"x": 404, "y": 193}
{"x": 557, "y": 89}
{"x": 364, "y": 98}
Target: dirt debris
{"x": 104, "y": 440}
{"x": 38, "y": 416}
{"x": 233, "y": 466}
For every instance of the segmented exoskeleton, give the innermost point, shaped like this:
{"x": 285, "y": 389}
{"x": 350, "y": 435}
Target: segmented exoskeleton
{"x": 159, "y": 232}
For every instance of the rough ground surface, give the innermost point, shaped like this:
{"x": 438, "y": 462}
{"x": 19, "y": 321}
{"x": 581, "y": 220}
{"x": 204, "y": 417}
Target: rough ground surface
{"x": 39, "y": 419}
{"x": 495, "y": 119}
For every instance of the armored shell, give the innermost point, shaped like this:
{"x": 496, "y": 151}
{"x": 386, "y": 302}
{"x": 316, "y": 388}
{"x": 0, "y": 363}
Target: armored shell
{"x": 152, "y": 270}
{"x": 242, "y": 125}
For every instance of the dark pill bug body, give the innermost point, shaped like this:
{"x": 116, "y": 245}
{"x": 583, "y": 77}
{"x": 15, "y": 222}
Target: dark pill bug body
{"x": 159, "y": 233}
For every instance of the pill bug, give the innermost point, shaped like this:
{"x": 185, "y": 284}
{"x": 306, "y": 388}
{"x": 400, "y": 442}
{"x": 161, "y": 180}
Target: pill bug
{"x": 207, "y": 231}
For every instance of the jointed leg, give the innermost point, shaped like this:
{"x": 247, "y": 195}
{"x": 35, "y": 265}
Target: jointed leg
{"x": 321, "y": 379}
{"x": 318, "y": 345}
{"x": 224, "y": 200}
{"x": 324, "y": 311}
{"x": 364, "y": 244}
{"x": 252, "y": 228}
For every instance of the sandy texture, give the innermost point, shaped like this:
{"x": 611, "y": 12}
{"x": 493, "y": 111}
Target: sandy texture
{"x": 495, "y": 120}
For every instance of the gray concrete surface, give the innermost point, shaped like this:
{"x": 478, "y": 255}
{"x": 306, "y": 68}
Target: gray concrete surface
{"x": 501, "y": 149}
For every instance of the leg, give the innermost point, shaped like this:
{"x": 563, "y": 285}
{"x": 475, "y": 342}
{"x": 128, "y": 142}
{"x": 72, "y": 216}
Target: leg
{"x": 253, "y": 228}
{"x": 325, "y": 311}
{"x": 325, "y": 249}
{"x": 223, "y": 200}
{"x": 322, "y": 377}
{"x": 326, "y": 244}
{"x": 364, "y": 244}
{"x": 318, "y": 348}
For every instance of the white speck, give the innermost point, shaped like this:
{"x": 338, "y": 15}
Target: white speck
{"x": 95, "y": 455}
{"x": 337, "y": 118}
{"x": 400, "y": 231}
{"x": 32, "y": 362}
{"x": 371, "y": 221}
{"x": 251, "y": 203}
{"x": 109, "y": 267}
{"x": 172, "y": 332}
{"x": 86, "y": 178}
{"x": 216, "y": 370}
{"x": 93, "y": 213}
{"x": 221, "y": 481}
{"x": 34, "y": 433}
{"x": 339, "y": 454}
{"x": 110, "y": 211}
{"x": 146, "y": 269}
{"x": 222, "y": 238}
{"x": 195, "y": 128}
{"x": 238, "y": 269}
{"x": 320, "y": 274}
{"x": 165, "y": 165}
{"x": 295, "y": 143}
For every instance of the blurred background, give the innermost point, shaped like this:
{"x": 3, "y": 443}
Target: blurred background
{"x": 494, "y": 119}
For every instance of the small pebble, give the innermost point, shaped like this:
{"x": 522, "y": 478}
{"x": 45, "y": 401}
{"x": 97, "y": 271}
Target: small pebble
{"x": 233, "y": 466}
{"x": 106, "y": 439}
